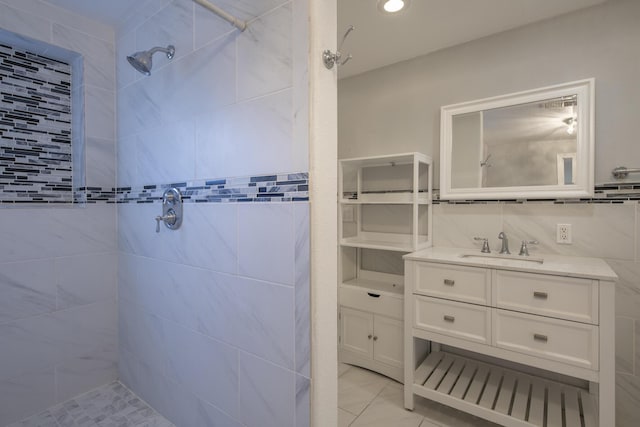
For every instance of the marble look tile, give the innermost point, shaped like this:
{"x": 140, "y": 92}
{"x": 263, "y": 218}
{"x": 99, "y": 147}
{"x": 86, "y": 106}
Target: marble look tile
{"x": 264, "y": 54}
{"x": 62, "y": 16}
{"x": 387, "y": 409}
{"x": 173, "y": 24}
{"x": 636, "y": 347}
{"x": 43, "y": 341}
{"x": 303, "y": 401}
{"x": 181, "y": 90}
{"x": 249, "y": 9}
{"x": 208, "y": 368}
{"x": 99, "y": 107}
{"x": 100, "y": 163}
{"x": 142, "y": 334}
{"x": 209, "y": 415}
{"x": 176, "y": 403}
{"x": 48, "y": 233}
{"x": 166, "y": 154}
{"x": 456, "y": 225}
{"x": 627, "y": 288}
{"x": 263, "y": 147}
{"x": 599, "y": 230}
{"x": 26, "y": 395}
{"x": 24, "y": 23}
{"x": 125, "y": 73}
{"x": 86, "y": 279}
{"x": 26, "y": 289}
{"x": 267, "y": 393}
{"x": 302, "y": 291}
{"x": 357, "y": 388}
{"x": 209, "y": 27}
{"x": 266, "y": 242}
{"x": 209, "y": 239}
{"x": 264, "y": 323}
{"x": 142, "y": 12}
{"x": 627, "y": 400}
{"x": 98, "y": 54}
{"x": 345, "y": 418}
{"x": 79, "y": 374}
{"x": 300, "y": 53}
{"x": 127, "y": 162}
{"x": 625, "y": 336}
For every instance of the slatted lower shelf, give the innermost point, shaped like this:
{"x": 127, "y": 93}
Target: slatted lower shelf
{"x": 502, "y": 395}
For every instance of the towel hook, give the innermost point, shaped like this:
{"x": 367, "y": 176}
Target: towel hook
{"x": 330, "y": 59}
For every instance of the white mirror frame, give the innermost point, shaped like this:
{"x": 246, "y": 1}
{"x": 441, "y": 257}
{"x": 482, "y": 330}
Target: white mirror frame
{"x": 583, "y": 187}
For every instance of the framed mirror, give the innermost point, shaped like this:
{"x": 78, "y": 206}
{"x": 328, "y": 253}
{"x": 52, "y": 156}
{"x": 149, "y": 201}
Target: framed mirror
{"x": 536, "y": 144}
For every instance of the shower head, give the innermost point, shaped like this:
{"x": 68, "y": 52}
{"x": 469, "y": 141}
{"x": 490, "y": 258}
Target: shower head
{"x": 141, "y": 61}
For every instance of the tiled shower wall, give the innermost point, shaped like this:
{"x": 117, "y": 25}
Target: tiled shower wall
{"x": 214, "y": 322}
{"x": 58, "y": 265}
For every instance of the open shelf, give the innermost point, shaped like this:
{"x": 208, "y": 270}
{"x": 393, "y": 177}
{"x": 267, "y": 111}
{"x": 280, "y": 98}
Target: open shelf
{"x": 502, "y": 395}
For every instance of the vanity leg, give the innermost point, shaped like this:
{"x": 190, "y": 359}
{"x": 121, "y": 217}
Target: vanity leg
{"x": 607, "y": 386}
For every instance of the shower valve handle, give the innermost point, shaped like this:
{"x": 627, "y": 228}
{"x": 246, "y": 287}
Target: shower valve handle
{"x": 170, "y": 218}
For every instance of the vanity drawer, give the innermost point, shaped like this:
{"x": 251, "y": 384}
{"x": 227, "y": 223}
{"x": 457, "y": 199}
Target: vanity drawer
{"x": 556, "y": 296}
{"x": 372, "y": 301}
{"x": 460, "y": 320}
{"x": 565, "y": 341}
{"x": 468, "y": 284}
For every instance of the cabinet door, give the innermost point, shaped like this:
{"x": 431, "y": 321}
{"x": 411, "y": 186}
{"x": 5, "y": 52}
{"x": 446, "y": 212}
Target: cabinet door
{"x": 357, "y": 332}
{"x": 388, "y": 338}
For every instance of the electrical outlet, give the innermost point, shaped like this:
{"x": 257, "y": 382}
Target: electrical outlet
{"x": 563, "y": 234}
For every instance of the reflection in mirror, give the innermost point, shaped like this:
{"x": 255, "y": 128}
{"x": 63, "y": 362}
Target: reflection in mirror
{"x": 533, "y": 144}
{"x": 519, "y": 145}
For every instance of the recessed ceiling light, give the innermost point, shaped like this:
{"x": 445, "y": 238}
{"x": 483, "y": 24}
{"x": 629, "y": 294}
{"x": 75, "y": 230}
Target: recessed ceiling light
{"x": 392, "y": 6}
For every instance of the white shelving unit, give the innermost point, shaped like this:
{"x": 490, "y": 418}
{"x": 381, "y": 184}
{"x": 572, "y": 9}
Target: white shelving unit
{"x": 385, "y": 207}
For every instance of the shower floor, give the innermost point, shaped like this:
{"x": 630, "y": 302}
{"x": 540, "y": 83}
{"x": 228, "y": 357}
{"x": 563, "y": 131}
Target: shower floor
{"x": 112, "y": 405}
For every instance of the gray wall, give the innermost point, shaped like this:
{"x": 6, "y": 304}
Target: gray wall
{"x": 396, "y": 109}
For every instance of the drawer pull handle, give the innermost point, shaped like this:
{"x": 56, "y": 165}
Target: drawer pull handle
{"x": 449, "y": 318}
{"x": 449, "y": 282}
{"x": 369, "y": 336}
{"x": 540, "y": 337}
{"x": 375, "y": 338}
{"x": 373, "y": 295}
{"x": 541, "y": 295}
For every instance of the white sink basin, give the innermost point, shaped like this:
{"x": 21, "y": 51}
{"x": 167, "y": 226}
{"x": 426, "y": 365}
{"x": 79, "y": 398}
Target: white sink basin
{"x": 504, "y": 257}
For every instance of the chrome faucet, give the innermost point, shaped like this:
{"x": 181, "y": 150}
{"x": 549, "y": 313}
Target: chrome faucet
{"x": 505, "y": 243}
{"x": 485, "y": 244}
{"x": 524, "y": 249}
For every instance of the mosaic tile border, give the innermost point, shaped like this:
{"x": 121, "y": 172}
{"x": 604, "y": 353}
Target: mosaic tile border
{"x": 603, "y": 193}
{"x": 287, "y": 187}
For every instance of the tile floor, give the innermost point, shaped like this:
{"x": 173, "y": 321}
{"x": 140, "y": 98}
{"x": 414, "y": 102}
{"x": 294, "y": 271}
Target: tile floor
{"x": 112, "y": 405}
{"x": 369, "y": 399}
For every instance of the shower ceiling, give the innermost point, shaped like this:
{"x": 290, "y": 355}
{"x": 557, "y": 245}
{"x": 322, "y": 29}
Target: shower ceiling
{"x": 379, "y": 40}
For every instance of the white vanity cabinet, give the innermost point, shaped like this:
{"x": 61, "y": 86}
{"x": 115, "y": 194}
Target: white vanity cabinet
{"x": 514, "y": 341}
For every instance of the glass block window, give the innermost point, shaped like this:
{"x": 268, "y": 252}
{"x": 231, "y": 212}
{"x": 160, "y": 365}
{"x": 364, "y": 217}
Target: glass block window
{"x": 36, "y": 153}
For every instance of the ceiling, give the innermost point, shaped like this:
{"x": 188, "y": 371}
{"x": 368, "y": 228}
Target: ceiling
{"x": 430, "y": 25}
{"x": 379, "y": 40}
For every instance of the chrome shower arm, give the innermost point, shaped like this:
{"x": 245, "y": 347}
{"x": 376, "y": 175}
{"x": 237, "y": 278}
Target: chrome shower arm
{"x": 169, "y": 50}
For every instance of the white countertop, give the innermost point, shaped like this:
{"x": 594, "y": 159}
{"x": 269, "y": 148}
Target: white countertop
{"x": 590, "y": 268}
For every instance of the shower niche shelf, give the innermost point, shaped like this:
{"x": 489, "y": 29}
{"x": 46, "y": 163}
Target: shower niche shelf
{"x": 385, "y": 212}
